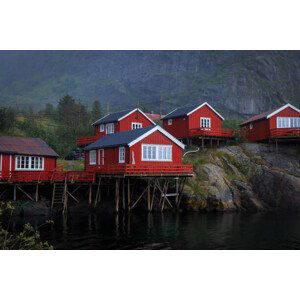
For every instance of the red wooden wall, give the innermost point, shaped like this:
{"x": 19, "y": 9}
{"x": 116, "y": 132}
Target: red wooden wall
{"x": 125, "y": 124}
{"x": 180, "y": 126}
{"x": 288, "y": 112}
{"x": 49, "y": 165}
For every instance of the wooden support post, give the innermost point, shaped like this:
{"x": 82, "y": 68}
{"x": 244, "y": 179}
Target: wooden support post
{"x": 123, "y": 193}
{"x": 65, "y": 198}
{"x": 25, "y": 193}
{"x": 153, "y": 195}
{"x": 37, "y": 193}
{"x": 276, "y": 145}
{"x": 180, "y": 192}
{"x": 177, "y": 190}
{"x": 90, "y": 195}
{"x": 202, "y": 143}
{"x": 117, "y": 194}
{"x": 211, "y": 143}
{"x": 149, "y": 196}
{"x": 218, "y": 142}
{"x": 98, "y": 194}
{"x": 15, "y": 192}
{"x": 53, "y": 195}
{"x": 128, "y": 194}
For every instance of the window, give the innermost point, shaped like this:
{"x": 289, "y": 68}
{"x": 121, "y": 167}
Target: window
{"x": 121, "y": 155}
{"x": 288, "y": 122}
{"x": 205, "y": 122}
{"x": 29, "y": 163}
{"x": 170, "y": 122}
{"x": 156, "y": 152}
{"x": 110, "y": 128}
{"x": 250, "y": 126}
{"x": 93, "y": 157}
{"x": 136, "y": 125}
{"x": 102, "y": 127}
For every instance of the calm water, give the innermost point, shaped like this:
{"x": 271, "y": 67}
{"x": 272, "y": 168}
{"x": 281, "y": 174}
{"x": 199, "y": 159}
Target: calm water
{"x": 170, "y": 230}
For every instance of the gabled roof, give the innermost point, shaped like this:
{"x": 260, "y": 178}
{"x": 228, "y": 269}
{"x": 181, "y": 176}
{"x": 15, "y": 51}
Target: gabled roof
{"x": 268, "y": 114}
{"x": 25, "y": 146}
{"x": 129, "y": 138}
{"x": 118, "y": 116}
{"x": 187, "y": 110}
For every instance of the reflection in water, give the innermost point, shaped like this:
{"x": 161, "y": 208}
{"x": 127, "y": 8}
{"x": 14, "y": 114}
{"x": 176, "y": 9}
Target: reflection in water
{"x": 170, "y": 230}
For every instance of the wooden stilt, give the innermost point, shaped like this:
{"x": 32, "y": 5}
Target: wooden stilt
{"x": 128, "y": 194}
{"x": 37, "y": 193}
{"x": 211, "y": 143}
{"x": 180, "y": 192}
{"x": 149, "y": 196}
{"x": 15, "y": 192}
{"x": 202, "y": 143}
{"x": 153, "y": 195}
{"x": 98, "y": 193}
{"x": 218, "y": 142}
{"x": 117, "y": 194}
{"x": 25, "y": 193}
{"x": 65, "y": 198}
{"x": 177, "y": 190}
{"x": 90, "y": 195}
{"x": 123, "y": 193}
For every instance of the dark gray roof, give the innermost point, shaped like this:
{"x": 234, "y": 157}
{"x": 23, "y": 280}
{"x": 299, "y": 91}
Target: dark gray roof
{"x": 113, "y": 117}
{"x": 118, "y": 139}
{"x": 182, "y": 111}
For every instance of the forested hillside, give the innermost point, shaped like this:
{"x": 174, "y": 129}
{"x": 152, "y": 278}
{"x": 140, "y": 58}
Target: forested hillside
{"x": 238, "y": 83}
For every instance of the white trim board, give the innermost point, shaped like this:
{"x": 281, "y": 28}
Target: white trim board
{"x": 136, "y": 109}
{"x": 164, "y": 132}
{"x": 282, "y": 108}
{"x": 205, "y": 103}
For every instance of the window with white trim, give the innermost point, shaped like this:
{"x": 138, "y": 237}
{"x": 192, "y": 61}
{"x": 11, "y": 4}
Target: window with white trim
{"x": 136, "y": 125}
{"x": 288, "y": 122}
{"x": 250, "y": 126}
{"x": 110, "y": 128}
{"x": 102, "y": 127}
{"x": 170, "y": 122}
{"x": 29, "y": 163}
{"x": 205, "y": 122}
{"x": 156, "y": 152}
{"x": 92, "y": 157}
{"x": 121, "y": 154}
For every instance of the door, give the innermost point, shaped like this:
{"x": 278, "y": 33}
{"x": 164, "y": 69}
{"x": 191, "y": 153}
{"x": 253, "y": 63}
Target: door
{"x": 101, "y": 157}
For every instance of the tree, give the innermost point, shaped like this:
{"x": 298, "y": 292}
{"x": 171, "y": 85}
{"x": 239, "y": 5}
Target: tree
{"x": 7, "y": 119}
{"x": 96, "y": 112}
{"x": 49, "y": 111}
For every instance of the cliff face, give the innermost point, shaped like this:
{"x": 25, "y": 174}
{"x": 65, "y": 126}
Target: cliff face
{"x": 238, "y": 83}
{"x": 250, "y": 177}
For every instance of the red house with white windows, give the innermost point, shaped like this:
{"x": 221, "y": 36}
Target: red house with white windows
{"x": 117, "y": 122}
{"x": 282, "y": 122}
{"x": 149, "y": 150}
{"x": 25, "y": 159}
{"x": 195, "y": 121}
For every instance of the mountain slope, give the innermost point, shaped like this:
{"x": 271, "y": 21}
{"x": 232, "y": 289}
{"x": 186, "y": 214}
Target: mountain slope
{"x": 239, "y": 83}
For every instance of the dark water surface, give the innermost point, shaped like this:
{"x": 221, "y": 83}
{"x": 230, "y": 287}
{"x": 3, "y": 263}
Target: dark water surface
{"x": 168, "y": 230}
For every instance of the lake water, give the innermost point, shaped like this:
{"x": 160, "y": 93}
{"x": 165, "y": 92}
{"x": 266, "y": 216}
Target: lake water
{"x": 170, "y": 230}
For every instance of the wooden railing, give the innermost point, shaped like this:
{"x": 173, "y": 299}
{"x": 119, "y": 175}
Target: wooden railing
{"x": 285, "y": 132}
{"x": 223, "y": 132}
{"x": 85, "y": 140}
{"x": 144, "y": 170}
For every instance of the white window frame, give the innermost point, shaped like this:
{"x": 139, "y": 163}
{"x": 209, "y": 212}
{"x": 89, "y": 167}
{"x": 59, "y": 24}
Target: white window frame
{"x": 251, "y": 126}
{"x": 170, "y": 122}
{"x": 205, "y": 122}
{"x": 93, "y": 157}
{"x": 101, "y": 157}
{"x": 110, "y": 128}
{"x": 287, "y": 122}
{"x": 30, "y": 163}
{"x": 135, "y": 125}
{"x": 121, "y": 155}
{"x": 102, "y": 128}
{"x": 156, "y": 151}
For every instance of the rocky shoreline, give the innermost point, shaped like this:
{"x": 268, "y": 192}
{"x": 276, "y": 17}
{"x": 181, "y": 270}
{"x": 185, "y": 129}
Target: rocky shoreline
{"x": 248, "y": 177}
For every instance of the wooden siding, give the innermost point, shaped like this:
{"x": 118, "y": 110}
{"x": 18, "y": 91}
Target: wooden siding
{"x": 288, "y": 112}
{"x": 179, "y": 127}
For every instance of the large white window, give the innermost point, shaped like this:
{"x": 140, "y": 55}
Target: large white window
{"x": 121, "y": 154}
{"x": 93, "y": 157}
{"x": 102, "y": 127}
{"x": 136, "y": 125}
{"x": 156, "y": 152}
{"x": 110, "y": 128}
{"x": 205, "y": 122}
{"x": 29, "y": 163}
{"x": 288, "y": 122}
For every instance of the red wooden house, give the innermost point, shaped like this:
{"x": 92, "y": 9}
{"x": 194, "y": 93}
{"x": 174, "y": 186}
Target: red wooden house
{"x": 195, "y": 121}
{"x": 26, "y": 158}
{"x": 282, "y": 122}
{"x": 149, "y": 150}
{"x": 117, "y": 122}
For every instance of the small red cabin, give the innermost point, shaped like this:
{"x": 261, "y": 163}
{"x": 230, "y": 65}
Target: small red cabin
{"x": 25, "y": 159}
{"x": 149, "y": 150}
{"x": 282, "y": 122}
{"x": 193, "y": 121}
{"x": 117, "y": 122}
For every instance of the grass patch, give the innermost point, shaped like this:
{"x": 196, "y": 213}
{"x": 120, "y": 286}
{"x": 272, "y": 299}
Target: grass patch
{"x": 71, "y": 165}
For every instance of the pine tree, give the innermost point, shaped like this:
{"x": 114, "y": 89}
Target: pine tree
{"x": 96, "y": 112}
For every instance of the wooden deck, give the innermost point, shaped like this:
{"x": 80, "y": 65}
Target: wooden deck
{"x": 207, "y": 132}
{"x": 285, "y": 133}
{"x": 85, "y": 140}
